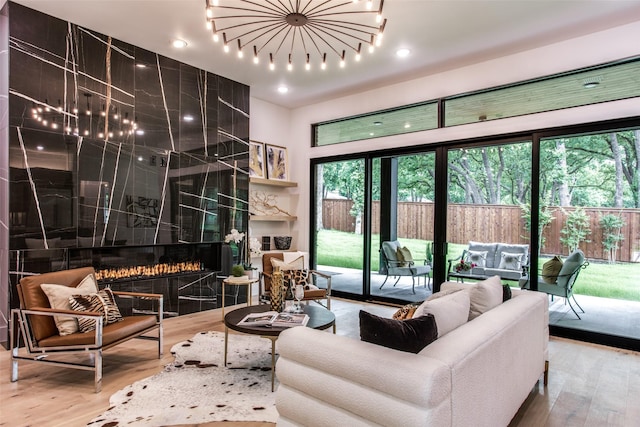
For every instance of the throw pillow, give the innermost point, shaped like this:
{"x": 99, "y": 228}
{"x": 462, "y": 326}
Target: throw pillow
{"x": 506, "y": 293}
{"x": 479, "y": 258}
{"x": 450, "y": 310}
{"x": 485, "y": 295}
{"x": 296, "y": 264}
{"x": 300, "y": 276}
{"x": 405, "y": 312}
{"x": 511, "y": 261}
{"x": 551, "y": 269}
{"x": 102, "y": 302}
{"x": 58, "y": 296}
{"x": 411, "y": 335}
{"x": 404, "y": 256}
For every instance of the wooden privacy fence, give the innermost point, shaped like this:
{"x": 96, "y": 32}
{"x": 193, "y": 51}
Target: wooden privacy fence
{"x": 490, "y": 223}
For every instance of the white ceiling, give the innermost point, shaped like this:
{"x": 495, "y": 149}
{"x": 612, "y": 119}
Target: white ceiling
{"x": 441, "y": 35}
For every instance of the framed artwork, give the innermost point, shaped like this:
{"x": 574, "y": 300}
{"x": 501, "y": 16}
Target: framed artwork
{"x": 276, "y": 159}
{"x": 256, "y": 159}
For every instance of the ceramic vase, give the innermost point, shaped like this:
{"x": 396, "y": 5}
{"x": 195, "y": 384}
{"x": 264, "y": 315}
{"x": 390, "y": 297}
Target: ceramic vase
{"x": 277, "y": 291}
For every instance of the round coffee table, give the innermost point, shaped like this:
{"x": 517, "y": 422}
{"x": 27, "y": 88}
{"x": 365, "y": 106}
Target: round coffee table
{"x": 319, "y": 318}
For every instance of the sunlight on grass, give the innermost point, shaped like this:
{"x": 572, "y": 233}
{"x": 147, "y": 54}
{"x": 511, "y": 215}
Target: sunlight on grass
{"x": 619, "y": 281}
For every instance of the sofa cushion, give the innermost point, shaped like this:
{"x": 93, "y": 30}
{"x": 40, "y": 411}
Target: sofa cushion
{"x": 101, "y": 302}
{"x": 551, "y": 269}
{"x": 58, "y": 296}
{"x": 450, "y": 310}
{"x": 411, "y": 335}
{"x": 485, "y": 295}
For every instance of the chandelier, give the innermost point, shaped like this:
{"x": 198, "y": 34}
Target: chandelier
{"x": 297, "y": 33}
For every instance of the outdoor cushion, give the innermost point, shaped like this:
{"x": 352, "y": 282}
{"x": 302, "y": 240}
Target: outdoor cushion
{"x": 551, "y": 269}
{"x": 513, "y": 249}
{"x": 573, "y": 261}
{"x": 479, "y": 258}
{"x": 490, "y": 248}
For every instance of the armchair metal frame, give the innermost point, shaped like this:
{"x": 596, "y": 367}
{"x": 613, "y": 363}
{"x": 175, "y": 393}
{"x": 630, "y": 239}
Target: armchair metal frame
{"x": 399, "y": 269}
{"x": 26, "y": 342}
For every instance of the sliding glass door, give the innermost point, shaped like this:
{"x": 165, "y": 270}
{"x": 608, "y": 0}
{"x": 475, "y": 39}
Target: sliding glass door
{"x": 488, "y": 210}
{"x": 339, "y": 237}
{"x": 590, "y": 203}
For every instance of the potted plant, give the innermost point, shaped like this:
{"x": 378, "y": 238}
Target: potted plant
{"x": 237, "y": 270}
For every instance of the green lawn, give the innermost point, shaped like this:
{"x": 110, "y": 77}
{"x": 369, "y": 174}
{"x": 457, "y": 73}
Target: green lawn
{"x": 620, "y": 281}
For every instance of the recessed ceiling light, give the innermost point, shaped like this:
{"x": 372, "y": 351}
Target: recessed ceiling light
{"x": 283, "y": 89}
{"x": 40, "y": 147}
{"x": 407, "y": 125}
{"x": 139, "y": 65}
{"x": 179, "y": 44}
{"x": 139, "y": 132}
{"x": 590, "y": 85}
{"x": 403, "y": 53}
{"x": 188, "y": 118}
{"x": 377, "y": 123}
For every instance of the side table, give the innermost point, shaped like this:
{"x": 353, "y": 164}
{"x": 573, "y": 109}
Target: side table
{"x": 238, "y": 281}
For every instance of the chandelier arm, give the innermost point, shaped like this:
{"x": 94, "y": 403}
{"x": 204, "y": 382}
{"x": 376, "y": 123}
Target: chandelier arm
{"x": 311, "y": 11}
{"x": 273, "y": 23}
{"x": 312, "y": 29}
{"x": 338, "y": 39}
{"x": 355, "y": 31}
{"x": 261, "y": 9}
{"x": 263, "y": 14}
{"x": 267, "y": 29}
{"x": 283, "y": 39}
{"x": 306, "y": 29}
{"x": 318, "y": 18}
{"x": 274, "y": 7}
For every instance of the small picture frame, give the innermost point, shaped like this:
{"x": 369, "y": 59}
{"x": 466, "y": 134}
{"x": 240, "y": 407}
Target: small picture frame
{"x": 256, "y": 159}
{"x": 276, "y": 161}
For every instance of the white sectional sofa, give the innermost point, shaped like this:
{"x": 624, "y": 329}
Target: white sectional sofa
{"x": 478, "y": 374}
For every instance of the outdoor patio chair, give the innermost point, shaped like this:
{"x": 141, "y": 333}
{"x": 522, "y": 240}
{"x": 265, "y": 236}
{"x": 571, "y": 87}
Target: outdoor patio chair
{"x": 393, "y": 265}
{"x": 566, "y": 279}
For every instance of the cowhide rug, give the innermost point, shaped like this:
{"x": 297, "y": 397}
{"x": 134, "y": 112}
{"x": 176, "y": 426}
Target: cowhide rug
{"x": 197, "y": 388}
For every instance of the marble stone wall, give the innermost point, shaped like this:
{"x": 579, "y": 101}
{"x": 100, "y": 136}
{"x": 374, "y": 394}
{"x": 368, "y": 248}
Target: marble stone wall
{"x": 109, "y": 144}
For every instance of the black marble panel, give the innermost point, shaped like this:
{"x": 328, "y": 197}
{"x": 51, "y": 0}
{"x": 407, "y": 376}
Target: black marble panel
{"x": 111, "y": 146}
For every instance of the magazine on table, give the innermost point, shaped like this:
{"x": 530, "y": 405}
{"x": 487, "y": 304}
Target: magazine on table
{"x": 272, "y": 318}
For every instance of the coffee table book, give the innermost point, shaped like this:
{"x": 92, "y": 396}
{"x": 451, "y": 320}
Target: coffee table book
{"x": 272, "y": 318}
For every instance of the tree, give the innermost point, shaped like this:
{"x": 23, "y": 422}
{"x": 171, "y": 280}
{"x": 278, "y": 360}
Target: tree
{"x": 545, "y": 217}
{"x": 576, "y": 229}
{"x": 611, "y": 226}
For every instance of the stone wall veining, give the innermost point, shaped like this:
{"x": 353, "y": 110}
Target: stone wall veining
{"x": 110, "y": 144}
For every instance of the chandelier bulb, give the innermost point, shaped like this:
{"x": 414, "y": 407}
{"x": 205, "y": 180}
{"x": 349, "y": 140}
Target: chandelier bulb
{"x": 240, "y": 54}
{"x": 369, "y": 4}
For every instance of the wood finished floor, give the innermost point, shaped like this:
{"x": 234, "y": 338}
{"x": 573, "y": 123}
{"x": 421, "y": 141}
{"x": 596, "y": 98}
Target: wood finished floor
{"x": 589, "y": 385}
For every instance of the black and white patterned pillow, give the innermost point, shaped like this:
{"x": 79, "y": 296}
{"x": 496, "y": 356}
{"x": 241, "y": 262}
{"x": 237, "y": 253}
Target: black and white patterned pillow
{"x": 101, "y": 302}
{"x": 479, "y": 258}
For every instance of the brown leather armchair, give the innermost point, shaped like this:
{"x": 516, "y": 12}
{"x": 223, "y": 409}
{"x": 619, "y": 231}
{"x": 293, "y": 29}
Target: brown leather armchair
{"x": 309, "y": 294}
{"x": 33, "y": 323}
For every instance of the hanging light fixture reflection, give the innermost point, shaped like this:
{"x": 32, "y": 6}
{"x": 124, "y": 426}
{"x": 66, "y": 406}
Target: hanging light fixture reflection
{"x": 300, "y": 32}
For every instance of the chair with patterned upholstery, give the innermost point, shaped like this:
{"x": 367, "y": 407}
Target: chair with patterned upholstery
{"x": 317, "y": 284}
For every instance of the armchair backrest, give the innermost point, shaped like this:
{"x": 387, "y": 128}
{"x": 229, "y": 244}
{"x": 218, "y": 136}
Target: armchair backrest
{"x": 570, "y": 269}
{"x": 390, "y": 250}
{"x": 31, "y": 295}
